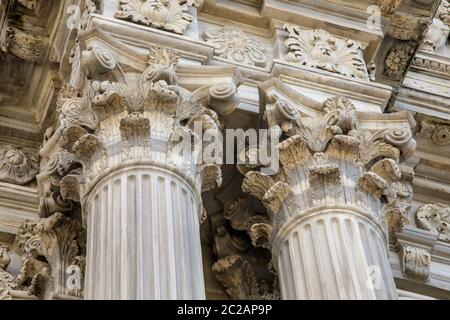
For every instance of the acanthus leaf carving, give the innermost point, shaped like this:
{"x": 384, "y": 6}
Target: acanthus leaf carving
{"x": 319, "y": 49}
{"x": 416, "y": 262}
{"x": 237, "y": 276}
{"x": 435, "y": 217}
{"x": 168, "y": 15}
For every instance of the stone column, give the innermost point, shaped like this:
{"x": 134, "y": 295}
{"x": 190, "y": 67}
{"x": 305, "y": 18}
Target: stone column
{"x": 141, "y": 193}
{"x": 327, "y": 234}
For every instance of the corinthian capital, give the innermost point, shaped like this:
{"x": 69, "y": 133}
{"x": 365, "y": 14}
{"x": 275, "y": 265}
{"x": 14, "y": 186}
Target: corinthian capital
{"x": 331, "y": 159}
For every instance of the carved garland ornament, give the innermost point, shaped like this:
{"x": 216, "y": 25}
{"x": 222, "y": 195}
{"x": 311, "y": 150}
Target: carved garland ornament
{"x": 233, "y": 44}
{"x": 319, "y": 49}
{"x": 169, "y": 15}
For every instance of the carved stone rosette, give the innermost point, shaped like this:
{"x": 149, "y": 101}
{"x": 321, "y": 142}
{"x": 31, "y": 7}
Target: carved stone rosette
{"x": 326, "y": 222}
{"x": 17, "y": 165}
{"x": 435, "y": 217}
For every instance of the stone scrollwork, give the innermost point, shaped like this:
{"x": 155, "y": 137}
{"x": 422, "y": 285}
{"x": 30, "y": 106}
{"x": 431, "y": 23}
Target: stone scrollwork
{"x": 416, "y": 262}
{"x": 319, "y": 49}
{"x": 17, "y": 165}
{"x": 435, "y": 217}
{"x": 233, "y": 44}
{"x": 169, "y": 15}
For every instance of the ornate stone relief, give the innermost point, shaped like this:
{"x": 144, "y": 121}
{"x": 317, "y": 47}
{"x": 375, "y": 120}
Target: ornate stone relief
{"x": 435, "y": 217}
{"x": 435, "y": 37}
{"x": 242, "y": 269}
{"x": 233, "y": 44}
{"x": 431, "y": 65}
{"x": 437, "y": 131}
{"x": 406, "y": 27}
{"x": 7, "y": 281}
{"x": 444, "y": 12}
{"x": 398, "y": 59}
{"x": 319, "y": 49}
{"x": 388, "y": 6}
{"x": 398, "y": 207}
{"x": 416, "y": 262}
{"x": 30, "y": 4}
{"x": 169, "y": 15}
{"x": 24, "y": 45}
{"x": 17, "y": 165}
{"x": 50, "y": 246}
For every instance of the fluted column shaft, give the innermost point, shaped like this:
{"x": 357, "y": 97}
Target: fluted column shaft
{"x": 333, "y": 252}
{"x": 143, "y": 237}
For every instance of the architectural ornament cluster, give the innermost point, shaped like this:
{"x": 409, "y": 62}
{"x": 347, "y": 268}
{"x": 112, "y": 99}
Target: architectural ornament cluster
{"x": 319, "y": 49}
{"x": 17, "y": 165}
{"x": 169, "y": 15}
{"x": 233, "y": 44}
{"x": 435, "y": 217}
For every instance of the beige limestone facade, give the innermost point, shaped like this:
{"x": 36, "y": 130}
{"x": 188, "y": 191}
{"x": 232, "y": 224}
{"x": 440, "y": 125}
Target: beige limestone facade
{"x": 127, "y": 168}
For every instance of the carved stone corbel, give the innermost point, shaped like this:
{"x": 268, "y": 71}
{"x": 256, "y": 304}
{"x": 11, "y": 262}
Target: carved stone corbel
{"x": 416, "y": 262}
